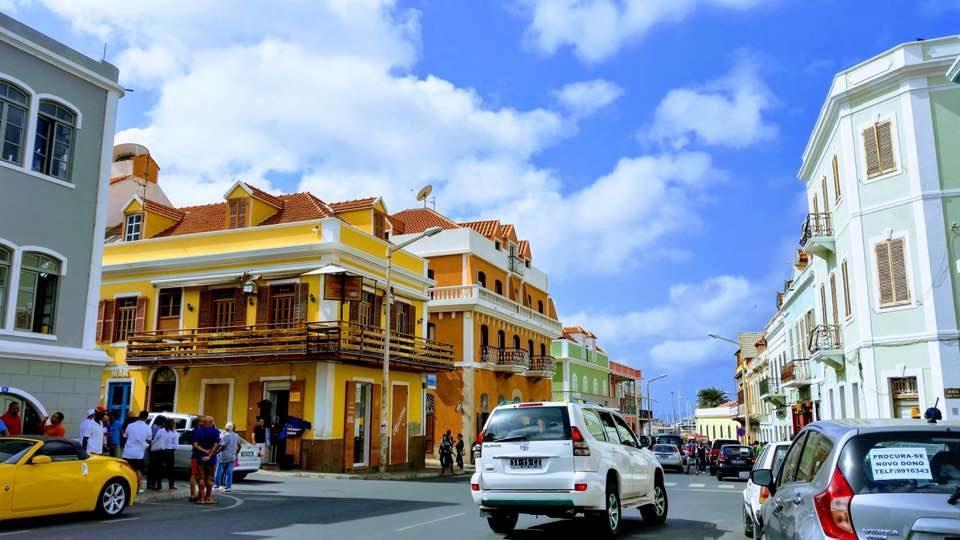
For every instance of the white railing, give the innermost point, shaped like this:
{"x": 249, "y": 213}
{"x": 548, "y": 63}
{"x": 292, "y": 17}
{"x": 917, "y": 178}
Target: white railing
{"x": 502, "y": 303}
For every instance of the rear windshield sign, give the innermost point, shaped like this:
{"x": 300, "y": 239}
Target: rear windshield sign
{"x": 900, "y": 464}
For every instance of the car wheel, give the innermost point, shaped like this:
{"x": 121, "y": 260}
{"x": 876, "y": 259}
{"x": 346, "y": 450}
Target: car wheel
{"x": 656, "y": 513}
{"x": 239, "y": 477}
{"x": 113, "y": 498}
{"x": 502, "y": 522}
{"x": 610, "y": 520}
{"x": 747, "y": 524}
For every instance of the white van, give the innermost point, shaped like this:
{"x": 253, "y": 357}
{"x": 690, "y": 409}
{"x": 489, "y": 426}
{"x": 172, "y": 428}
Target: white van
{"x": 561, "y": 459}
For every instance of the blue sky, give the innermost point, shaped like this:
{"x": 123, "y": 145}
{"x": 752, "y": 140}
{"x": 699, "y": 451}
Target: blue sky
{"x": 647, "y": 148}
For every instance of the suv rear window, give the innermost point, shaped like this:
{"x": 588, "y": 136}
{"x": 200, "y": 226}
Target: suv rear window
{"x": 903, "y": 462}
{"x": 717, "y": 444}
{"x": 664, "y": 448}
{"x": 528, "y": 424}
{"x": 730, "y": 451}
{"x": 670, "y": 439}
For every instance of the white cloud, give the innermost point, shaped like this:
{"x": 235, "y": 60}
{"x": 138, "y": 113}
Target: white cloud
{"x": 597, "y": 29}
{"x": 728, "y": 112}
{"x": 586, "y": 97}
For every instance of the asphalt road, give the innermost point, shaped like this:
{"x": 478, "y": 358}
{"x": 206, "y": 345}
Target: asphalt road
{"x": 273, "y": 506}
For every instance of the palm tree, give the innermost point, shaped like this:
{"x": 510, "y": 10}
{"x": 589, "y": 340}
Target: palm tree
{"x": 711, "y": 397}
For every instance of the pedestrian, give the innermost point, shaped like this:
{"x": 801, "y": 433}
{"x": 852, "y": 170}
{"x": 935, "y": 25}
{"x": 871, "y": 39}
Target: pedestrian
{"x": 169, "y": 439}
{"x": 227, "y": 460}
{"x": 460, "y": 447}
{"x": 260, "y": 437}
{"x": 91, "y": 435}
{"x": 446, "y": 453}
{"x": 206, "y": 444}
{"x": 137, "y": 437}
{"x": 53, "y": 426}
{"x": 113, "y": 435}
{"x": 701, "y": 459}
{"x": 4, "y": 432}
{"x": 155, "y": 466}
{"x": 12, "y": 419}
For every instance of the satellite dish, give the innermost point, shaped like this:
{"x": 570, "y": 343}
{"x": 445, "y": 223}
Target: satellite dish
{"x": 424, "y": 193}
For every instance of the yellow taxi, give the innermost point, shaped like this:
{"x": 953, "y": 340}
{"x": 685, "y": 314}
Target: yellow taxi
{"x": 41, "y": 476}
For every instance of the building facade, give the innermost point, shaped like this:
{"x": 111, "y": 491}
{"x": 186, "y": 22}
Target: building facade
{"x": 883, "y": 183}
{"x": 718, "y": 422}
{"x": 270, "y": 306}
{"x": 57, "y": 113}
{"x": 583, "y": 370}
{"x": 748, "y": 378}
{"x": 625, "y": 394}
{"x": 493, "y": 305}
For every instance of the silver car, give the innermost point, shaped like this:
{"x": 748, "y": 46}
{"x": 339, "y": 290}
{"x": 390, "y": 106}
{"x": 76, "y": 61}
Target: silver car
{"x": 669, "y": 456}
{"x": 875, "y": 479}
{"x": 249, "y": 458}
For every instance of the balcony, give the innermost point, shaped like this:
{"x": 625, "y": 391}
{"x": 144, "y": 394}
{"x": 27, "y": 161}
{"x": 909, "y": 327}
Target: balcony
{"x": 771, "y": 392}
{"x": 517, "y": 265}
{"x": 541, "y": 367}
{"x": 817, "y": 237}
{"x": 796, "y": 374}
{"x": 472, "y": 296}
{"x": 628, "y": 404}
{"x": 299, "y": 342}
{"x": 508, "y": 361}
{"x": 826, "y": 345}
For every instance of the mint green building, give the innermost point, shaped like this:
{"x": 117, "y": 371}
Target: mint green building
{"x": 582, "y": 369}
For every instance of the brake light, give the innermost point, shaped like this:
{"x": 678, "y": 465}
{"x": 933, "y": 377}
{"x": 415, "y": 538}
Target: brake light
{"x": 474, "y": 487}
{"x": 833, "y": 508}
{"x": 478, "y": 447}
{"x": 579, "y": 487}
{"x": 764, "y": 494}
{"x": 580, "y": 447}
{"x": 722, "y": 458}
{"x": 530, "y": 405}
{"x": 480, "y": 438}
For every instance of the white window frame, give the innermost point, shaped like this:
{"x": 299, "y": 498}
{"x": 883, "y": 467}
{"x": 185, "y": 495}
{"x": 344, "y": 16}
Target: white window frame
{"x": 13, "y": 284}
{"x": 127, "y": 225}
{"x": 895, "y": 140}
{"x": 908, "y": 261}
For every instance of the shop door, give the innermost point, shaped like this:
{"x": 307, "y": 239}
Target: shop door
{"x": 118, "y": 399}
{"x": 429, "y": 423}
{"x": 398, "y": 425}
{"x": 215, "y": 399}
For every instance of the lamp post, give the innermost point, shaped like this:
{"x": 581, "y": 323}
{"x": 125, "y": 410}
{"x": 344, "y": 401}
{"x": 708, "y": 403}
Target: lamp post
{"x": 385, "y": 387}
{"x": 650, "y": 402}
{"x": 746, "y": 391}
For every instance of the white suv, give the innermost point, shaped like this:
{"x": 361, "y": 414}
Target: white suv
{"x": 560, "y": 459}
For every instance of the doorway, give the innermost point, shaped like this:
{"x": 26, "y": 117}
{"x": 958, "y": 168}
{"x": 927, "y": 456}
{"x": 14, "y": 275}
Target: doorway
{"x": 163, "y": 388}
{"x": 118, "y": 399}
{"x": 278, "y": 394}
{"x": 361, "y": 425}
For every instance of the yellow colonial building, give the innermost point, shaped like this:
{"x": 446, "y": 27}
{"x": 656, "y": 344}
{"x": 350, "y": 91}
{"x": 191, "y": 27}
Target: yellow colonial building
{"x": 265, "y": 305}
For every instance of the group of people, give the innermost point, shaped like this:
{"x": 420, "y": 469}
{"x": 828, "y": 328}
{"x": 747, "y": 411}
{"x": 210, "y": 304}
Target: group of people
{"x": 12, "y": 424}
{"x": 447, "y": 449}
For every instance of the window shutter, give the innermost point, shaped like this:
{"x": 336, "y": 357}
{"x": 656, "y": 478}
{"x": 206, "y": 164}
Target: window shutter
{"x": 848, "y": 309}
{"x": 303, "y": 299}
{"x": 100, "y": 308}
{"x": 204, "y": 311}
{"x": 823, "y": 303}
{"x": 263, "y": 305}
{"x": 898, "y": 267}
{"x": 141, "y": 315}
{"x": 377, "y": 311}
{"x": 836, "y": 179}
{"x": 885, "y": 147}
{"x": 411, "y": 319}
{"x": 109, "y": 307}
{"x": 826, "y": 197}
{"x": 816, "y": 205}
{"x": 884, "y": 275}
{"x": 870, "y": 152}
{"x": 833, "y": 297}
{"x": 239, "y": 307}
{"x": 354, "y": 311}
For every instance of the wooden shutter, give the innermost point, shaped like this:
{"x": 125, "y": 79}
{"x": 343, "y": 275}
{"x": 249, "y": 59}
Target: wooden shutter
{"x": 106, "y": 325}
{"x": 375, "y": 426}
{"x": 354, "y": 312}
{"x": 303, "y": 300}
{"x": 349, "y": 421}
{"x": 263, "y": 305}
{"x": 379, "y": 225}
{"x": 836, "y": 179}
{"x": 898, "y": 269}
{"x": 239, "y": 307}
{"x": 823, "y": 303}
{"x": 885, "y": 146}
{"x": 141, "y": 315}
{"x": 847, "y": 307}
{"x": 205, "y": 309}
{"x": 100, "y": 308}
{"x": 884, "y": 274}
{"x": 870, "y": 152}
{"x": 238, "y": 213}
{"x": 377, "y": 311}
{"x": 254, "y": 395}
{"x": 826, "y": 198}
{"x": 833, "y": 297}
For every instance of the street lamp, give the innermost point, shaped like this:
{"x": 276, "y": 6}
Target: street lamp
{"x": 721, "y": 338}
{"x": 650, "y": 401}
{"x": 746, "y": 392}
{"x": 385, "y": 387}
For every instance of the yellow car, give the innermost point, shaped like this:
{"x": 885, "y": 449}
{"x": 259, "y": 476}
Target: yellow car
{"x": 40, "y": 476}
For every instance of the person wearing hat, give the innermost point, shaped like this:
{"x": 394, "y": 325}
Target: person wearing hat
{"x": 91, "y": 433}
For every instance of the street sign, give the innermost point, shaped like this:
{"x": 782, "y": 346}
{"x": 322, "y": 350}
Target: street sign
{"x": 951, "y": 393}
{"x": 432, "y": 381}
{"x": 740, "y": 432}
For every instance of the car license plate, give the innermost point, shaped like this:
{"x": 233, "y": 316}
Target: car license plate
{"x": 744, "y": 475}
{"x": 248, "y": 454}
{"x": 526, "y": 463}
{"x": 664, "y": 456}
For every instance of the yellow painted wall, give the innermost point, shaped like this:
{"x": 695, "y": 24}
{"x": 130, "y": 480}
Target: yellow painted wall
{"x": 260, "y": 211}
{"x": 450, "y": 330}
{"x": 448, "y": 271}
{"x": 346, "y": 372}
{"x": 154, "y": 224}
{"x": 717, "y": 428}
{"x": 493, "y": 273}
{"x": 361, "y": 219}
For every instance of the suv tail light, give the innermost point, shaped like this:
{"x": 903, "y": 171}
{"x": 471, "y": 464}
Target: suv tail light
{"x": 478, "y": 447}
{"x": 764, "y": 494}
{"x": 722, "y": 458}
{"x": 833, "y": 508}
{"x": 580, "y": 447}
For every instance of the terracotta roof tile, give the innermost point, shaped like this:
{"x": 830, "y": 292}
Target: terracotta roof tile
{"x": 524, "y": 252}
{"x": 748, "y": 343}
{"x": 578, "y": 330}
{"x": 163, "y": 210}
{"x": 489, "y": 228}
{"x": 262, "y": 195}
{"x": 355, "y": 204}
{"x": 396, "y": 226}
{"x": 212, "y": 217}
{"x": 507, "y": 230}
{"x": 416, "y": 220}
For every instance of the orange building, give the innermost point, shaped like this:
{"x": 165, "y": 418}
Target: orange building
{"x": 493, "y": 305}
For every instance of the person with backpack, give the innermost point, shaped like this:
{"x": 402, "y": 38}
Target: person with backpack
{"x": 446, "y": 453}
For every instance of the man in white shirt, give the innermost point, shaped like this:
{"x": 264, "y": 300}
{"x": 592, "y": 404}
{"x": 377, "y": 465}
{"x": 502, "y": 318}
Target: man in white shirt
{"x": 91, "y": 433}
{"x": 137, "y": 435}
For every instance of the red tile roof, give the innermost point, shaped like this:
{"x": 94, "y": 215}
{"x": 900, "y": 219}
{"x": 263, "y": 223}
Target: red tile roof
{"x": 417, "y": 220}
{"x": 396, "y": 226}
{"x": 355, "y": 204}
{"x": 265, "y": 197}
{"x": 524, "y": 252}
{"x": 568, "y": 331}
{"x": 489, "y": 228}
{"x": 212, "y": 217}
{"x": 163, "y": 210}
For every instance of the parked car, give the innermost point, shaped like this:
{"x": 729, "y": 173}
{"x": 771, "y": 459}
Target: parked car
{"x": 675, "y": 440}
{"x": 561, "y": 459}
{"x": 714, "y": 452}
{"x": 249, "y": 457}
{"x": 182, "y": 421}
{"x": 669, "y": 456}
{"x": 771, "y": 457}
{"x": 734, "y": 460}
{"x": 45, "y": 476}
{"x": 849, "y": 479}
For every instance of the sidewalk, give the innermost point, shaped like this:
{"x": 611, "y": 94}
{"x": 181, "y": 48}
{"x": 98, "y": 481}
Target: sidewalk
{"x": 432, "y": 470}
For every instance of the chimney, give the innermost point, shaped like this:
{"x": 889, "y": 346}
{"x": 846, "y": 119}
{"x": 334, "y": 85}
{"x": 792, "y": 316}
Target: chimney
{"x": 130, "y": 159}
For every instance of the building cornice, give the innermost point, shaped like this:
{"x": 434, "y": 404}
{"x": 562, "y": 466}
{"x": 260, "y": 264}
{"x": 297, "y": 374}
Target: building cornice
{"x": 52, "y": 353}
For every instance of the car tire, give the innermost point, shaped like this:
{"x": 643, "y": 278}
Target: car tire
{"x": 502, "y": 522}
{"x": 610, "y": 521}
{"x": 240, "y": 476}
{"x": 748, "y": 526}
{"x": 113, "y": 498}
{"x": 656, "y": 513}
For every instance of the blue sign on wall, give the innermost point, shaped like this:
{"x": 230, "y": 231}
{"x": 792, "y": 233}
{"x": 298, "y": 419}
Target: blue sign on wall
{"x": 432, "y": 381}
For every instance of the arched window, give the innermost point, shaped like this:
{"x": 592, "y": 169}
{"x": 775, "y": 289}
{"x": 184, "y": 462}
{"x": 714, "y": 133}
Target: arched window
{"x": 585, "y": 386}
{"x": 517, "y": 396}
{"x": 484, "y": 403}
{"x": 6, "y": 256}
{"x": 501, "y": 340}
{"x": 529, "y": 301}
{"x": 484, "y": 335}
{"x": 13, "y": 121}
{"x": 482, "y": 279}
{"x": 530, "y": 347}
{"x": 37, "y": 293}
{"x": 163, "y": 387}
{"x": 54, "y": 140}
{"x": 540, "y": 306}
{"x": 543, "y": 350}
{"x": 498, "y": 287}
{"x": 596, "y": 387}
{"x": 574, "y": 381}
{"x": 516, "y": 341}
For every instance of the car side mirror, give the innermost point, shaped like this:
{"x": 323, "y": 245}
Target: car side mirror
{"x": 40, "y": 460}
{"x": 762, "y": 477}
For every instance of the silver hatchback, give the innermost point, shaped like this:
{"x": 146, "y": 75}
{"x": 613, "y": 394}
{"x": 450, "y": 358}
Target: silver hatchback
{"x": 873, "y": 479}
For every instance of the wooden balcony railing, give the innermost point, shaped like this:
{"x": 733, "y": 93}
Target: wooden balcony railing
{"x": 542, "y": 363}
{"x": 816, "y": 226}
{"x": 518, "y": 358}
{"x": 336, "y": 340}
{"x": 796, "y": 370}
{"x": 825, "y": 337}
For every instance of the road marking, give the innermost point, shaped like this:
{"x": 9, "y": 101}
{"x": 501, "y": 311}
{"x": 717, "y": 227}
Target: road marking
{"x": 726, "y": 486}
{"x": 670, "y": 484}
{"x": 11, "y": 533}
{"x": 237, "y": 501}
{"x": 415, "y": 525}
{"x": 697, "y": 485}
{"x": 119, "y": 520}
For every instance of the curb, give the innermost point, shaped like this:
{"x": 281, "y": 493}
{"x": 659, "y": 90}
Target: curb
{"x": 159, "y": 496}
{"x": 364, "y": 476}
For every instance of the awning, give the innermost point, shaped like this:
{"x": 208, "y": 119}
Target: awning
{"x": 197, "y": 281}
{"x": 328, "y": 269}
